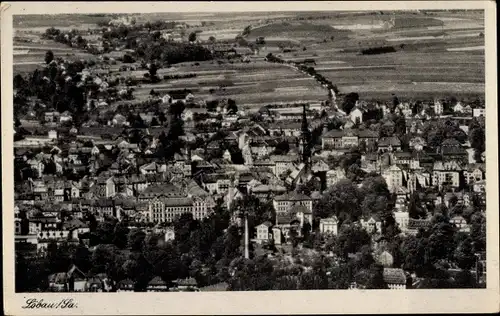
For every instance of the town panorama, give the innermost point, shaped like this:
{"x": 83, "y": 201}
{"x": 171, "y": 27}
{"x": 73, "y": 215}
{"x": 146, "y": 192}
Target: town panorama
{"x": 249, "y": 151}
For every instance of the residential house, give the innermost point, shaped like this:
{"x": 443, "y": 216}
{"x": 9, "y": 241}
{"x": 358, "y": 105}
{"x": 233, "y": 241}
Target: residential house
{"x": 169, "y": 234}
{"x": 414, "y": 225}
{"x": 479, "y": 186}
{"x": 460, "y": 223}
{"x": 452, "y": 150}
{"x": 438, "y": 107}
{"x": 293, "y": 219}
{"x": 157, "y": 285}
{"x": 167, "y": 209}
{"x": 388, "y": 144}
{"x": 458, "y": 108}
{"x": 263, "y": 232}
{"x": 372, "y": 224}
{"x": 77, "y": 280}
{"x": 184, "y": 96}
{"x": 393, "y": 176}
{"x": 283, "y": 163}
{"x": 299, "y": 175}
{"x": 446, "y": 174}
{"x": 479, "y": 112}
{"x": 474, "y": 172}
{"x": 126, "y": 285}
{"x": 119, "y": 120}
{"x": 52, "y": 116}
{"x": 65, "y": 117}
{"x": 402, "y": 218}
{"x": 395, "y": 278}
{"x": 186, "y": 285}
{"x": 329, "y": 225}
{"x": 105, "y": 186}
{"x": 320, "y": 166}
{"x": 334, "y": 175}
{"x": 284, "y": 203}
{"x": 356, "y": 115}
{"x": 417, "y": 143}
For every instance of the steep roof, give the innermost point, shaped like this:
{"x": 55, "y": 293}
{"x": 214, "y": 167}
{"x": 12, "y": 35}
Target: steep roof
{"x": 285, "y": 218}
{"x": 177, "y": 202}
{"x": 267, "y": 223}
{"x": 394, "y": 276}
{"x": 299, "y": 209}
{"x": 389, "y": 141}
{"x": 156, "y": 281}
{"x": 292, "y": 196}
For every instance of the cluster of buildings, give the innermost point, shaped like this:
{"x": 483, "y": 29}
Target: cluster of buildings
{"x": 64, "y": 172}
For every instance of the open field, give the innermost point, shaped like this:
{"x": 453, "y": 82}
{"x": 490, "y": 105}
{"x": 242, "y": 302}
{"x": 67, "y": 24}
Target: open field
{"x": 447, "y": 50}
{"x": 437, "y": 52}
{"x": 30, "y": 56}
{"x": 250, "y": 85}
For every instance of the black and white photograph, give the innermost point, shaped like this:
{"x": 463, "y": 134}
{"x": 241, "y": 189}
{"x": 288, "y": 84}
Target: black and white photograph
{"x": 249, "y": 151}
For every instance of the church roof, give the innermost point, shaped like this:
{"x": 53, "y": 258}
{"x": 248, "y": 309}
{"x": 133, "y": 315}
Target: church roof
{"x": 292, "y": 196}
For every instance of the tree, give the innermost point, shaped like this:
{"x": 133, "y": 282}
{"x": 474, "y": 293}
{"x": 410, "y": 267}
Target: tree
{"x": 153, "y": 70}
{"x": 165, "y": 261}
{"x": 342, "y": 200}
{"x": 413, "y": 250}
{"x": 349, "y": 102}
{"x": 127, "y": 59}
{"x": 231, "y": 106}
{"x": 82, "y": 258}
{"x": 395, "y": 101}
{"x": 282, "y": 148}
{"x": 376, "y": 279}
{"x": 351, "y": 239}
{"x": 440, "y": 242}
{"x": 192, "y": 37}
{"x": 313, "y": 281}
{"x": 340, "y": 276}
{"x": 251, "y": 275}
{"x": 50, "y": 168}
{"x": 465, "y": 280}
{"x": 478, "y": 231}
{"x": 400, "y": 125}
{"x": 415, "y": 208}
{"x": 162, "y": 118}
{"x": 136, "y": 239}
{"x": 464, "y": 254}
{"x": 211, "y": 39}
{"x": 49, "y": 57}
{"x": 19, "y": 82}
{"x": 176, "y": 109}
{"x": 17, "y": 122}
{"x": 154, "y": 122}
{"x": 477, "y": 140}
{"x": 120, "y": 235}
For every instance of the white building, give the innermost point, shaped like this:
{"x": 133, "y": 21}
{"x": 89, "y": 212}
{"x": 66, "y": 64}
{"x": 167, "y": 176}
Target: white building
{"x": 393, "y": 176}
{"x": 329, "y": 225}
{"x": 479, "y": 112}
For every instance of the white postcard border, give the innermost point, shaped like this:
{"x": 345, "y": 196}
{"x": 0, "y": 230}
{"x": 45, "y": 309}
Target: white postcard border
{"x": 268, "y": 302}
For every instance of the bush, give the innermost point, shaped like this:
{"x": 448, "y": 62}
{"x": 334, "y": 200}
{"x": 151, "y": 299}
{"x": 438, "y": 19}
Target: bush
{"x": 378, "y": 50}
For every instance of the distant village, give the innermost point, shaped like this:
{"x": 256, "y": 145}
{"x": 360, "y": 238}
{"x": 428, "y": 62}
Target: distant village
{"x": 385, "y": 190}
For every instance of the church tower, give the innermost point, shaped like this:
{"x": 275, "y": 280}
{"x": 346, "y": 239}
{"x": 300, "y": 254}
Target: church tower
{"x": 305, "y": 140}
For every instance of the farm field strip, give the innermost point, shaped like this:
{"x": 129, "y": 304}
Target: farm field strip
{"x": 469, "y": 48}
{"x": 478, "y": 77}
{"x": 45, "y": 48}
{"x": 442, "y": 37}
{"x": 419, "y": 87}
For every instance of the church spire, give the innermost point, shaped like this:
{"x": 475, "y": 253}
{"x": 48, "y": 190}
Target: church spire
{"x": 305, "y": 140}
